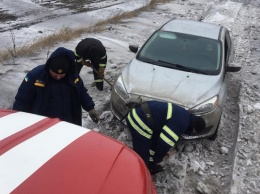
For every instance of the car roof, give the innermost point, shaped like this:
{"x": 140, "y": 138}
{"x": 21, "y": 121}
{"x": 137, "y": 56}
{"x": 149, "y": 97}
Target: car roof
{"x": 45, "y": 155}
{"x": 193, "y": 27}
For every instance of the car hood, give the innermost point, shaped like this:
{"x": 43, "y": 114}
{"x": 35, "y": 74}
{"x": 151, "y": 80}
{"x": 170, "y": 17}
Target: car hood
{"x": 184, "y": 88}
{"x": 44, "y": 155}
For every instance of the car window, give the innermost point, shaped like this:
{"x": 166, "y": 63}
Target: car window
{"x": 190, "y": 51}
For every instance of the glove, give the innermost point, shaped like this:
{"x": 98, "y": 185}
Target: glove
{"x": 94, "y": 115}
{"x": 101, "y": 71}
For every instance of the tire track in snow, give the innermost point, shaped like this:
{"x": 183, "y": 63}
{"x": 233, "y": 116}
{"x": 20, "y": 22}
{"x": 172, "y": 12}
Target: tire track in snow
{"x": 218, "y": 180}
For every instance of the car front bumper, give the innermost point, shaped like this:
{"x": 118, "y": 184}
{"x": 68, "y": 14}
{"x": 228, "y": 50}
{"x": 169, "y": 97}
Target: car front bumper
{"x": 212, "y": 119}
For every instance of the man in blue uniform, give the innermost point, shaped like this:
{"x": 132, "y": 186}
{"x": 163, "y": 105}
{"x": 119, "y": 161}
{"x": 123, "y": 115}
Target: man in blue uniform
{"x": 156, "y": 127}
{"x": 55, "y": 90}
{"x": 91, "y": 52}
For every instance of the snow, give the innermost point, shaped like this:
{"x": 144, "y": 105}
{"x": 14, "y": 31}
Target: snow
{"x": 230, "y": 164}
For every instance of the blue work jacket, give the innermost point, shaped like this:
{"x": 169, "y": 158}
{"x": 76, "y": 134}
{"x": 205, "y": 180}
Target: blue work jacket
{"x": 40, "y": 94}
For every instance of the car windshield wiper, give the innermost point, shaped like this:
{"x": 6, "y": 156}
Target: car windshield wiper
{"x": 146, "y": 60}
{"x": 181, "y": 67}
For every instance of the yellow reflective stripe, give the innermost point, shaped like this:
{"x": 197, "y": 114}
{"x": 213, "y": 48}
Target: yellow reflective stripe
{"x": 98, "y": 80}
{"x": 39, "y": 84}
{"x": 151, "y": 155}
{"x": 140, "y": 122}
{"x": 137, "y": 128}
{"x": 167, "y": 140}
{"x": 76, "y": 80}
{"x": 104, "y": 57}
{"x": 102, "y": 65}
{"x": 169, "y": 112}
{"x": 80, "y": 60}
{"x": 171, "y": 133}
{"x": 75, "y": 53}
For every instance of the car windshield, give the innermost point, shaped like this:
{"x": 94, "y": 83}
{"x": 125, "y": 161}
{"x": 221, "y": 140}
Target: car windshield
{"x": 185, "y": 52}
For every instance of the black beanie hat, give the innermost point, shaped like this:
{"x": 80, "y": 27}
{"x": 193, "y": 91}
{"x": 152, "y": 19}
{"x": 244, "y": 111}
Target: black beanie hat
{"x": 199, "y": 124}
{"x": 196, "y": 123}
{"x": 59, "y": 65}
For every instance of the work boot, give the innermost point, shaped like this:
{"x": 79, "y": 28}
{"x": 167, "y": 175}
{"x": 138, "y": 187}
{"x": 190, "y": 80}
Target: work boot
{"x": 99, "y": 86}
{"x": 155, "y": 168}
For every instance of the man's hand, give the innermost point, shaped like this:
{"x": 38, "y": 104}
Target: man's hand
{"x": 101, "y": 71}
{"x": 94, "y": 115}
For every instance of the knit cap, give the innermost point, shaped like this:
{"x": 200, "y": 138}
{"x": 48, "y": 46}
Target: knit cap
{"x": 196, "y": 123}
{"x": 199, "y": 124}
{"x": 59, "y": 65}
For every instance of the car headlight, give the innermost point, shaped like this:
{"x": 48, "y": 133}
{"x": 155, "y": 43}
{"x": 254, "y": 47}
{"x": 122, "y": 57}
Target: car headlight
{"x": 119, "y": 88}
{"x": 206, "y": 106}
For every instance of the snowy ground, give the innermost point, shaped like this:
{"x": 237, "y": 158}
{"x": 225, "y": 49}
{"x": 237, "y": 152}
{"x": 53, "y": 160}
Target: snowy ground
{"x": 230, "y": 164}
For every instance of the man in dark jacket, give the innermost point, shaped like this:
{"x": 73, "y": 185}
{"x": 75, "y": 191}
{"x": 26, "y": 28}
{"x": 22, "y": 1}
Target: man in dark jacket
{"x": 55, "y": 90}
{"x": 91, "y": 53}
{"x": 156, "y": 127}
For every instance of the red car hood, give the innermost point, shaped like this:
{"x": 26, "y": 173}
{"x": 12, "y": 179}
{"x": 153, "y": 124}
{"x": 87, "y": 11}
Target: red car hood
{"x": 44, "y": 155}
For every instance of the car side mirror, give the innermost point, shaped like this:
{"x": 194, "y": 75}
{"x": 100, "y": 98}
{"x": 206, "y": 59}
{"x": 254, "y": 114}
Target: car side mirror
{"x": 233, "y": 69}
{"x": 133, "y": 48}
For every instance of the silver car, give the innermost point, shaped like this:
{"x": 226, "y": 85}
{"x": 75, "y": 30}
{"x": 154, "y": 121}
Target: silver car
{"x": 184, "y": 62}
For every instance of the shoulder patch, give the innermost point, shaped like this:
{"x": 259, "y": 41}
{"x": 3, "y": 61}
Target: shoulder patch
{"x": 39, "y": 83}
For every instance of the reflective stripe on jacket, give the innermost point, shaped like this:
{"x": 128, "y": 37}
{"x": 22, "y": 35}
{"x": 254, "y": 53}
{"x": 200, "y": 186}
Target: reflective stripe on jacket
{"x": 170, "y": 121}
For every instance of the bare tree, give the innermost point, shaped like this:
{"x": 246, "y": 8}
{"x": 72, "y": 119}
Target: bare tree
{"x": 13, "y": 52}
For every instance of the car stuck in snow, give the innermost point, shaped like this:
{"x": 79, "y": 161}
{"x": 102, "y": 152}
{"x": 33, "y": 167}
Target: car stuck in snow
{"x": 184, "y": 62}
